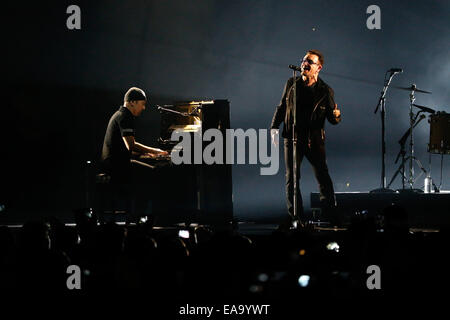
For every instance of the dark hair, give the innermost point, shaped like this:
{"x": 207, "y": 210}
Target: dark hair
{"x": 134, "y": 94}
{"x": 317, "y": 53}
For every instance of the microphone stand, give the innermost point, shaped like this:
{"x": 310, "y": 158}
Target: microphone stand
{"x": 184, "y": 114}
{"x": 162, "y": 109}
{"x": 294, "y": 145}
{"x": 381, "y": 102}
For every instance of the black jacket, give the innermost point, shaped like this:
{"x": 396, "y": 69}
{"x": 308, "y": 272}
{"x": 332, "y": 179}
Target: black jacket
{"x": 323, "y": 108}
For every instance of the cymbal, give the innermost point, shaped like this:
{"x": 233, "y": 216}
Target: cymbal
{"x": 411, "y": 88}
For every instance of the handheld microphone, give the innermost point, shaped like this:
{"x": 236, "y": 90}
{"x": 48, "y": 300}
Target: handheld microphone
{"x": 296, "y": 68}
{"x": 395, "y": 70}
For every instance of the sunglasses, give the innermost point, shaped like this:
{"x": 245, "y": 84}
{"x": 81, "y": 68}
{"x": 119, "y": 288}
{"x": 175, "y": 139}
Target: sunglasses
{"x": 309, "y": 61}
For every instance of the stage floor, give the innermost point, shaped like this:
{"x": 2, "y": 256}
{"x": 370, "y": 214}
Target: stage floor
{"x": 424, "y": 211}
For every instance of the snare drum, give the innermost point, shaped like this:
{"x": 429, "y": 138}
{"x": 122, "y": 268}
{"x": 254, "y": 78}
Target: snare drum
{"x": 439, "y": 133}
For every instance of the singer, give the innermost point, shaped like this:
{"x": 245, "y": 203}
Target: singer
{"x": 315, "y": 102}
{"x": 119, "y": 145}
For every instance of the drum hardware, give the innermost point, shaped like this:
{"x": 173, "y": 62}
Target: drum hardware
{"x": 412, "y": 158}
{"x": 428, "y": 183}
{"x": 439, "y": 143}
{"x": 439, "y": 138}
{"x": 402, "y": 152}
{"x": 439, "y": 133}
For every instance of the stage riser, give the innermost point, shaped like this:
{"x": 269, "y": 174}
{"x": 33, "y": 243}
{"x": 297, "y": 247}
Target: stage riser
{"x": 424, "y": 209}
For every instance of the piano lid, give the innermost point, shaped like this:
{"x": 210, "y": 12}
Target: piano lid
{"x": 194, "y": 116}
{"x": 187, "y": 127}
{"x": 201, "y": 102}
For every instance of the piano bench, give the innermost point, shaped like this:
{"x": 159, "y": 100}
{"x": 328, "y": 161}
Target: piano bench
{"x": 112, "y": 201}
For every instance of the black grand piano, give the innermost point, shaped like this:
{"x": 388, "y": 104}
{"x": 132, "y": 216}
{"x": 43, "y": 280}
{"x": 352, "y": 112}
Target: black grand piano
{"x": 194, "y": 193}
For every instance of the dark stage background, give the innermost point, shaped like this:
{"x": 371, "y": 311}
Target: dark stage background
{"x": 63, "y": 85}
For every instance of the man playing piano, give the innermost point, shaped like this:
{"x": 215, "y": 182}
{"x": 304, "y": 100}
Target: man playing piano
{"x": 120, "y": 144}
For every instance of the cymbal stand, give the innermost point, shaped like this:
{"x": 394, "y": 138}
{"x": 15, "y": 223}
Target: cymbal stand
{"x": 412, "y": 157}
{"x": 402, "y": 152}
{"x": 412, "y": 98}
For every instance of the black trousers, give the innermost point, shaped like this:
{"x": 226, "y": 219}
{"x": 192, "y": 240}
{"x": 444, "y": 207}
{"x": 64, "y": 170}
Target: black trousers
{"x": 143, "y": 187}
{"x": 316, "y": 156}
{"x": 135, "y": 183}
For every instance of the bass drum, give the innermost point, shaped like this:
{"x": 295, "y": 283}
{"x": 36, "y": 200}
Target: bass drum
{"x": 439, "y": 133}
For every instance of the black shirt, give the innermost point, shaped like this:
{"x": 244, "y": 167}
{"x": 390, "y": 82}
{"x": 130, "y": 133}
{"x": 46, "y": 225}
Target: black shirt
{"x": 115, "y": 155}
{"x": 305, "y": 105}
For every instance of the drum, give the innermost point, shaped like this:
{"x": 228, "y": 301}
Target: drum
{"x": 439, "y": 133}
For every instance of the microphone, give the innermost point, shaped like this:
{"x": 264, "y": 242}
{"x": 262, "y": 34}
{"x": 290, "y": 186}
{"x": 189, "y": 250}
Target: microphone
{"x": 161, "y": 107}
{"x": 425, "y": 109}
{"x": 395, "y": 70}
{"x": 293, "y": 67}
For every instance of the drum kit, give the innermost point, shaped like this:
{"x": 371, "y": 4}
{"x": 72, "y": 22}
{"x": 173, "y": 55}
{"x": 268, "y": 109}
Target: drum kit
{"x": 439, "y": 143}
